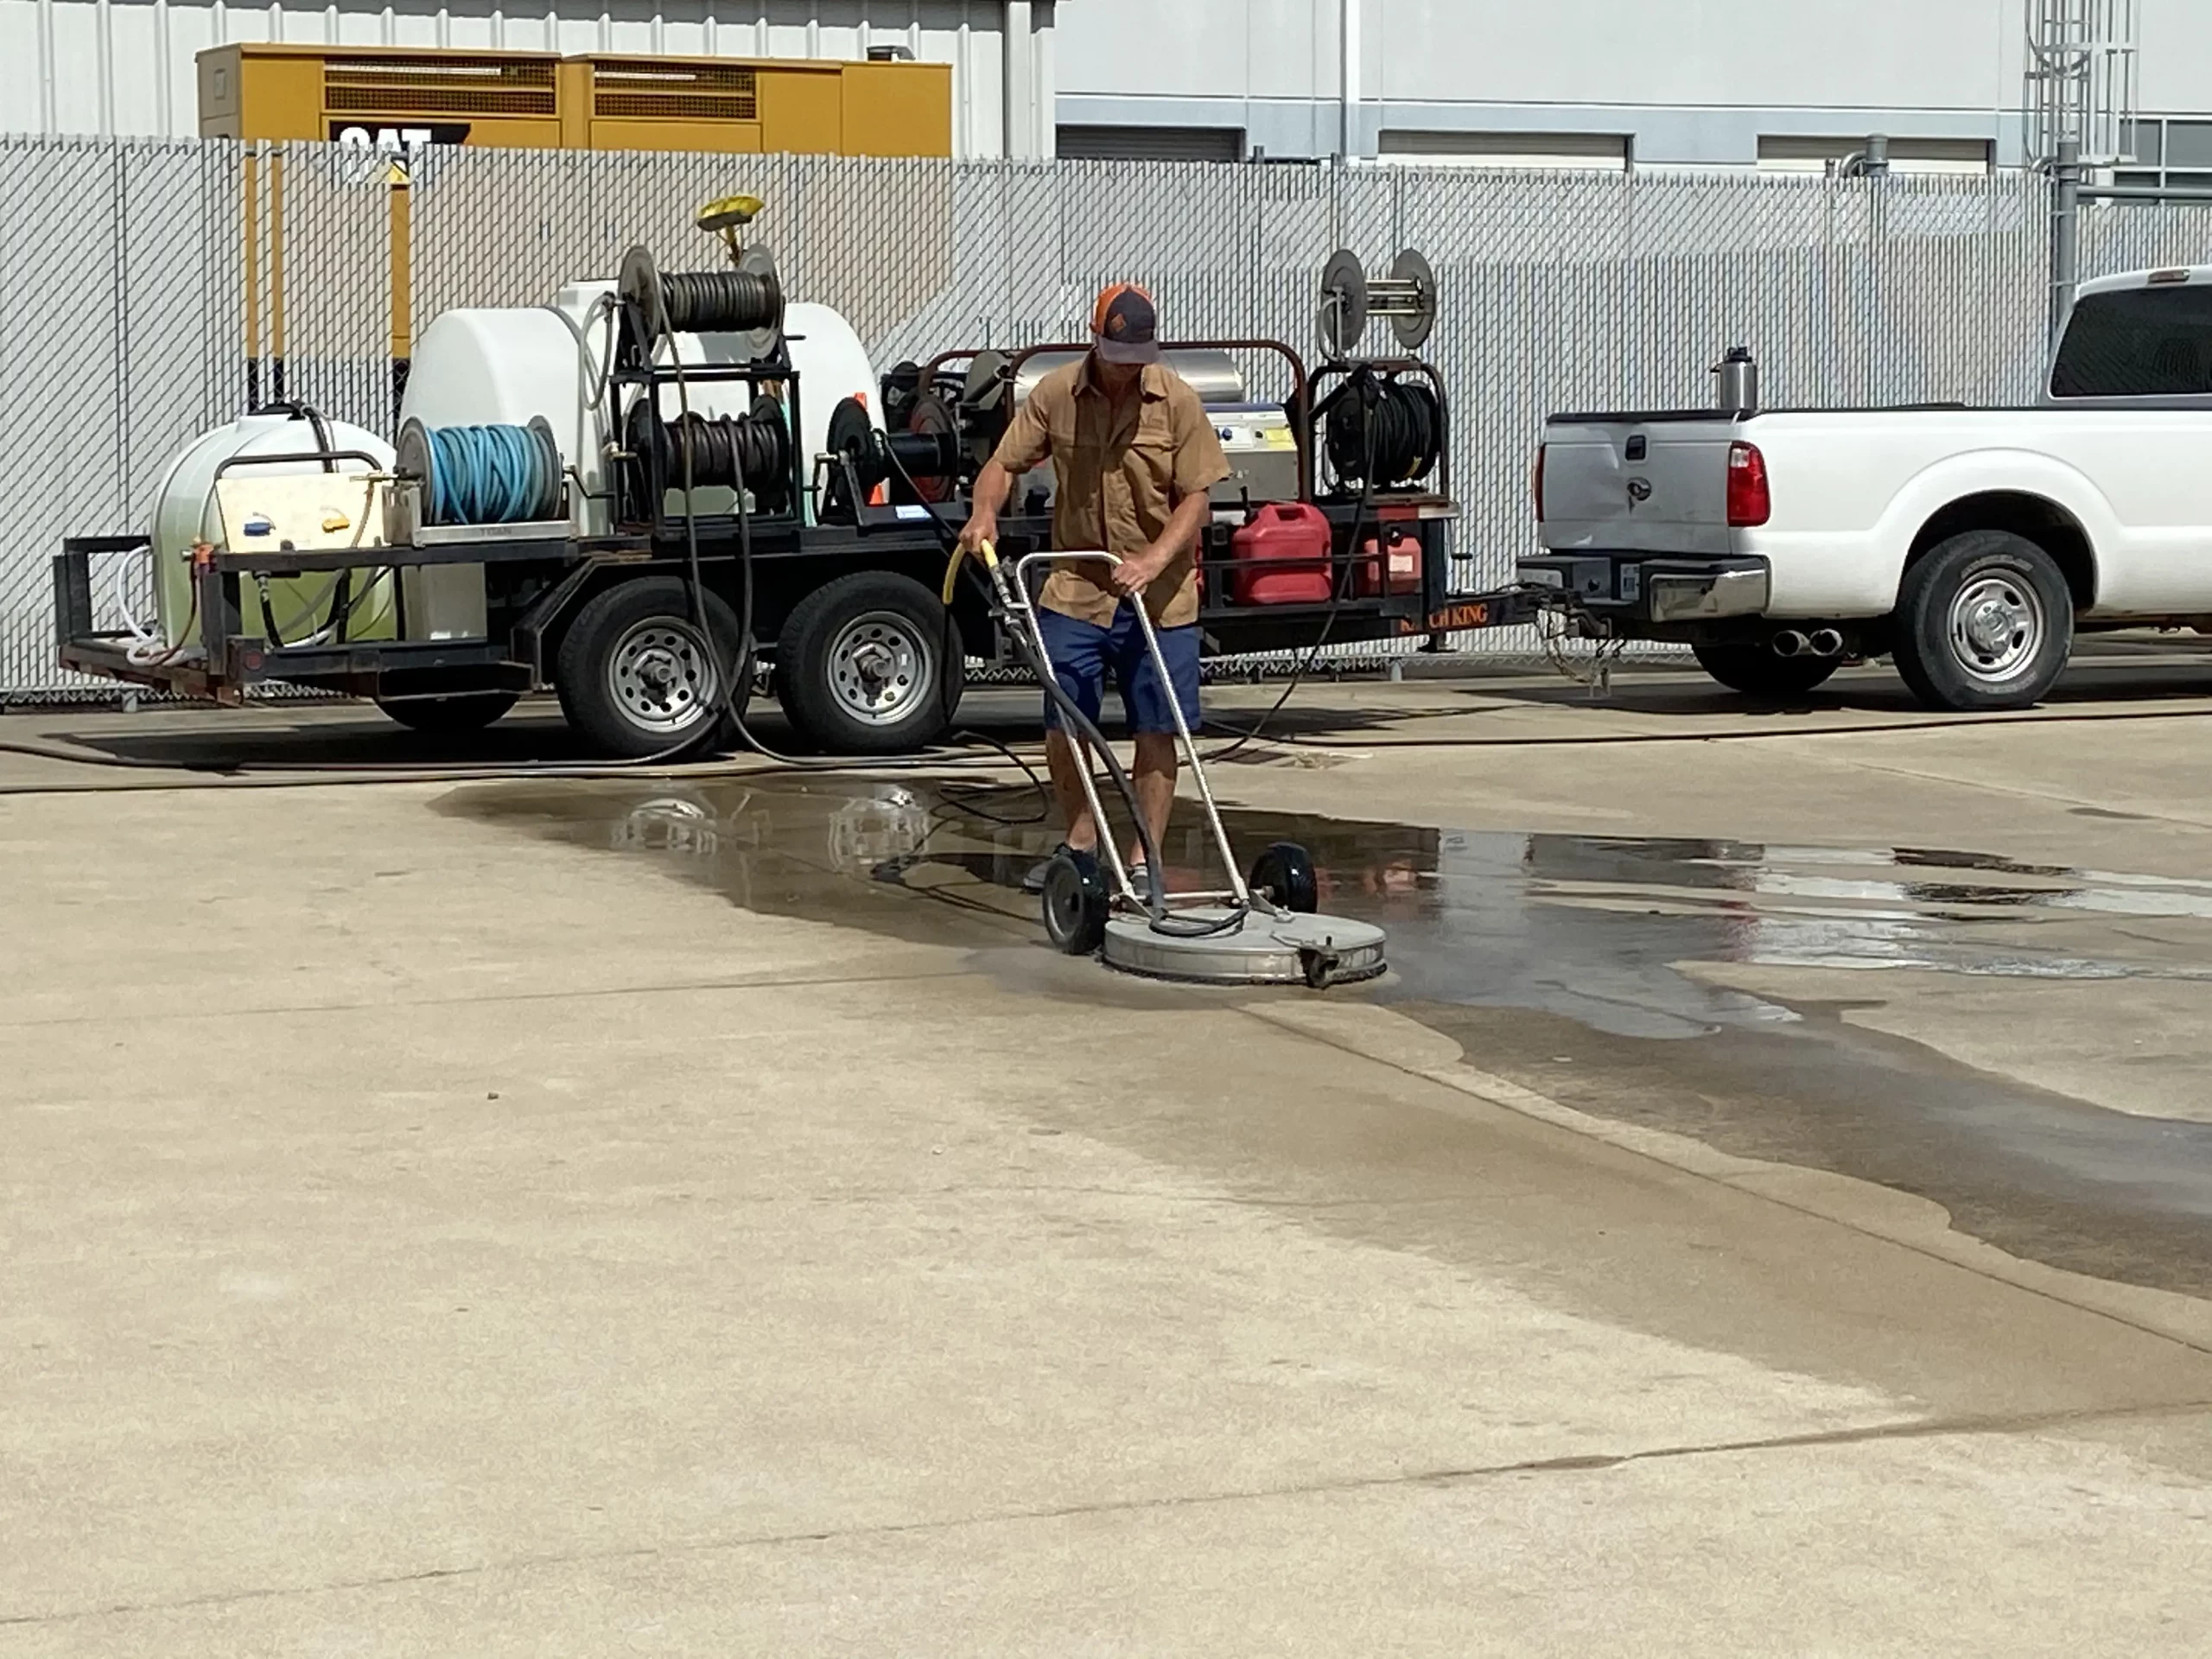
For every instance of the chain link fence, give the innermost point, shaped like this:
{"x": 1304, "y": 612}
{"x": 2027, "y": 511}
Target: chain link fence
{"x": 2138, "y": 236}
{"x": 126, "y": 322}
{"x": 192, "y": 280}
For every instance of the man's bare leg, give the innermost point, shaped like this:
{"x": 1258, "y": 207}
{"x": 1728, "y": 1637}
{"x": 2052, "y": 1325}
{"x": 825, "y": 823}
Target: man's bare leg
{"x": 1063, "y": 759}
{"x": 1158, "y": 761}
{"x": 1155, "y": 778}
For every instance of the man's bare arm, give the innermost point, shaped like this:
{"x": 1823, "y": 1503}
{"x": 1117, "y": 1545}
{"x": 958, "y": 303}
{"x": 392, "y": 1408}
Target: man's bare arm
{"x": 993, "y": 485}
{"x": 1133, "y": 574}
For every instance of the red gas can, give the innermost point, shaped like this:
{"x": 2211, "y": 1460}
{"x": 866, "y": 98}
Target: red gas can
{"x": 1390, "y": 563}
{"x": 1283, "y": 556}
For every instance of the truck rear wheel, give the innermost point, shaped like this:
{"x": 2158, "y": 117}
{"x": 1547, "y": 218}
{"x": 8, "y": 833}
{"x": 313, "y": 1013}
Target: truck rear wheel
{"x": 870, "y": 664}
{"x": 1756, "y": 671}
{"x": 636, "y": 675}
{"x": 1985, "y": 621}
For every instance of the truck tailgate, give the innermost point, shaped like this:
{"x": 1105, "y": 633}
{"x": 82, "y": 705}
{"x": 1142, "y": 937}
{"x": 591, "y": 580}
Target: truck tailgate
{"x": 1635, "y": 484}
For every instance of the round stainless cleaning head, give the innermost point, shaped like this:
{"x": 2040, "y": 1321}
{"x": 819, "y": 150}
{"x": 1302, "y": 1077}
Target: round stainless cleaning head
{"x": 1261, "y": 950}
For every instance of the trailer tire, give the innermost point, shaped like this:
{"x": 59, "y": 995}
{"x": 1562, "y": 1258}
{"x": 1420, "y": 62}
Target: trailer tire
{"x": 467, "y": 711}
{"x": 870, "y": 664}
{"x": 636, "y": 676}
{"x": 1984, "y": 622}
{"x": 1758, "y": 672}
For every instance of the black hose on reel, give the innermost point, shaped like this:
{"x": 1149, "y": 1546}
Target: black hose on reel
{"x": 721, "y": 302}
{"x": 1385, "y": 433}
{"x": 751, "y": 452}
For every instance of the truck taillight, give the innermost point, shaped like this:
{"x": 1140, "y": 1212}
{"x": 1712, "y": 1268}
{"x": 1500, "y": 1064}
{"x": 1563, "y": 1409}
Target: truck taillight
{"x": 1541, "y": 449}
{"x": 1751, "y": 503}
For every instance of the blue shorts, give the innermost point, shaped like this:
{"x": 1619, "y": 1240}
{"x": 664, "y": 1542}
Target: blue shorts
{"x": 1081, "y": 652}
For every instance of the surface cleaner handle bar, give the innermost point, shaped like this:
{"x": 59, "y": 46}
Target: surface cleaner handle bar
{"x": 1167, "y": 686}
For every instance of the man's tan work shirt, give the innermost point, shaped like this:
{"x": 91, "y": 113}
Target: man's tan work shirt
{"x": 1122, "y": 466}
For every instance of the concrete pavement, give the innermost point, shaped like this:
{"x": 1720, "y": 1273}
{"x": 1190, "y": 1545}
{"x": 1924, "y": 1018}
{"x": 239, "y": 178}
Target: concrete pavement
{"x": 427, "y": 1235}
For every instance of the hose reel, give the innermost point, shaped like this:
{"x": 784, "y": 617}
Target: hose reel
{"x": 1384, "y": 431}
{"x": 483, "y": 474}
{"x": 745, "y": 299}
{"x": 1350, "y": 299}
{"x": 987, "y": 400}
{"x": 748, "y": 454}
{"x": 864, "y": 458}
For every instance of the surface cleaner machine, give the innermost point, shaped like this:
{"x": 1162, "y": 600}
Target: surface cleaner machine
{"x": 1264, "y": 929}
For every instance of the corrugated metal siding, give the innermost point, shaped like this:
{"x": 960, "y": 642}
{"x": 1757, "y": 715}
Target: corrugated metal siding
{"x": 102, "y": 67}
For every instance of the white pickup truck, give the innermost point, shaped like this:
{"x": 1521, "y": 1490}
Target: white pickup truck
{"x": 1968, "y": 544}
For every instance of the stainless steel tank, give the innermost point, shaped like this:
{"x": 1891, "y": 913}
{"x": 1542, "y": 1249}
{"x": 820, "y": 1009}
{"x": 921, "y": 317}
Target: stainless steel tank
{"x": 1213, "y": 375}
{"x": 1738, "y": 375}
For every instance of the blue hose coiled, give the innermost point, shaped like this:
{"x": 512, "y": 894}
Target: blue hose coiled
{"x": 492, "y": 476}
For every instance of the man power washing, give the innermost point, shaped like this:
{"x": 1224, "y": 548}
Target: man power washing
{"x": 1133, "y": 456}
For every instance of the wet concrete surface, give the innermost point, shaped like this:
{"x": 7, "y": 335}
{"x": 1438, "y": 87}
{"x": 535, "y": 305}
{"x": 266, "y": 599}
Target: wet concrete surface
{"x": 1569, "y": 965}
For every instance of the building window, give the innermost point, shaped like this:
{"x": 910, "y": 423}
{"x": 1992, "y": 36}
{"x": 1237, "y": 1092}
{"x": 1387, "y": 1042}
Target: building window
{"x": 1793, "y": 153}
{"x": 2167, "y": 154}
{"x": 1607, "y": 150}
{"x": 1152, "y": 144}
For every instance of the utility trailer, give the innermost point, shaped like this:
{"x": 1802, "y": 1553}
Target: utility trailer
{"x": 626, "y": 590}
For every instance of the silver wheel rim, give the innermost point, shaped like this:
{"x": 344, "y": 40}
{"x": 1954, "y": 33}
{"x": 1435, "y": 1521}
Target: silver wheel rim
{"x": 880, "y": 670}
{"x": 662, "y": 677}
{"x": 1997, "y": 627}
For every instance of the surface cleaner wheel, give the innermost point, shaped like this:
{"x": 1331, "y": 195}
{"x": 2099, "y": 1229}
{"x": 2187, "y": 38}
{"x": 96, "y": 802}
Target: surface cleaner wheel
{"x": 1283, "y": 874}
{"x": 1076, "y": 903}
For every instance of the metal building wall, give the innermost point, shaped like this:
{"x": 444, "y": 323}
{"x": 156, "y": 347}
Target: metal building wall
{"x": 104, "y": 67}
{"x": 1688, "y": 85}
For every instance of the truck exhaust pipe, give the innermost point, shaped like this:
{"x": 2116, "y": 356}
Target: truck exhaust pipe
{"x": 1828, "y": 642}
{"x": 1790, "y": 643}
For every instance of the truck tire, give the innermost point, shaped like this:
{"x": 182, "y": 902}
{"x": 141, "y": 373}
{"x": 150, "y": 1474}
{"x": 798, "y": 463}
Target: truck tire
{"x": 468, "y": 711}
{"x": 1985, "y": 621}
{"x": 1755, "y": 672}
{"x": 636, "y": 676}
{"x": 870, "y": 664}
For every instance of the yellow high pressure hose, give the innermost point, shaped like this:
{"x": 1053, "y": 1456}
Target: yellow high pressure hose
{"x": 986, "y": 554}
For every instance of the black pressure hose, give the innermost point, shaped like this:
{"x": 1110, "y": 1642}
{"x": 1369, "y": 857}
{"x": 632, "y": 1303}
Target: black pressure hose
{"x": 1360, "y": 515}
{"x": 1083, "y": 726}
{"x": 731, "y": 678}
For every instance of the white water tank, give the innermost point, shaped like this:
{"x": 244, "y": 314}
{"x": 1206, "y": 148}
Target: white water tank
{"x": 184, "y": 512}
{"x": 832, "y": 366}
{"x": 500, "y": 366}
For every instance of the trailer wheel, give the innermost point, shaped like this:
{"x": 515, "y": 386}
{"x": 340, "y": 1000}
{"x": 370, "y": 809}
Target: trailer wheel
{"x": 1985, "y": 621}
{"x": 1758, "y": 672}
{"x": 636, "y": 676}
{"x": 469, "y": 711}
{"x": 870, "y": 664}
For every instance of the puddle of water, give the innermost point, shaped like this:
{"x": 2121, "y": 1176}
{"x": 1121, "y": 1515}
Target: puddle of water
{"x": 1558, "y": 960}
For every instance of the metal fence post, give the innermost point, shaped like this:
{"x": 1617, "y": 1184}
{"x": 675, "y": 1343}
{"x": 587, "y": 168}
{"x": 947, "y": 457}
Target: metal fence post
{"x": 2065, "y": 234}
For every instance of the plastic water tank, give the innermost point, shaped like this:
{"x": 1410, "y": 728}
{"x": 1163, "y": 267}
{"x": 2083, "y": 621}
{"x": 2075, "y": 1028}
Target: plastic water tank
{"x": 475, "y": 367}
{"x": 833, "y": 365}
{"x": 184, "y": 512}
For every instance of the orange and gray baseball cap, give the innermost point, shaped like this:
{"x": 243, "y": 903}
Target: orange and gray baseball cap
{"x": 1124, "y": 326}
